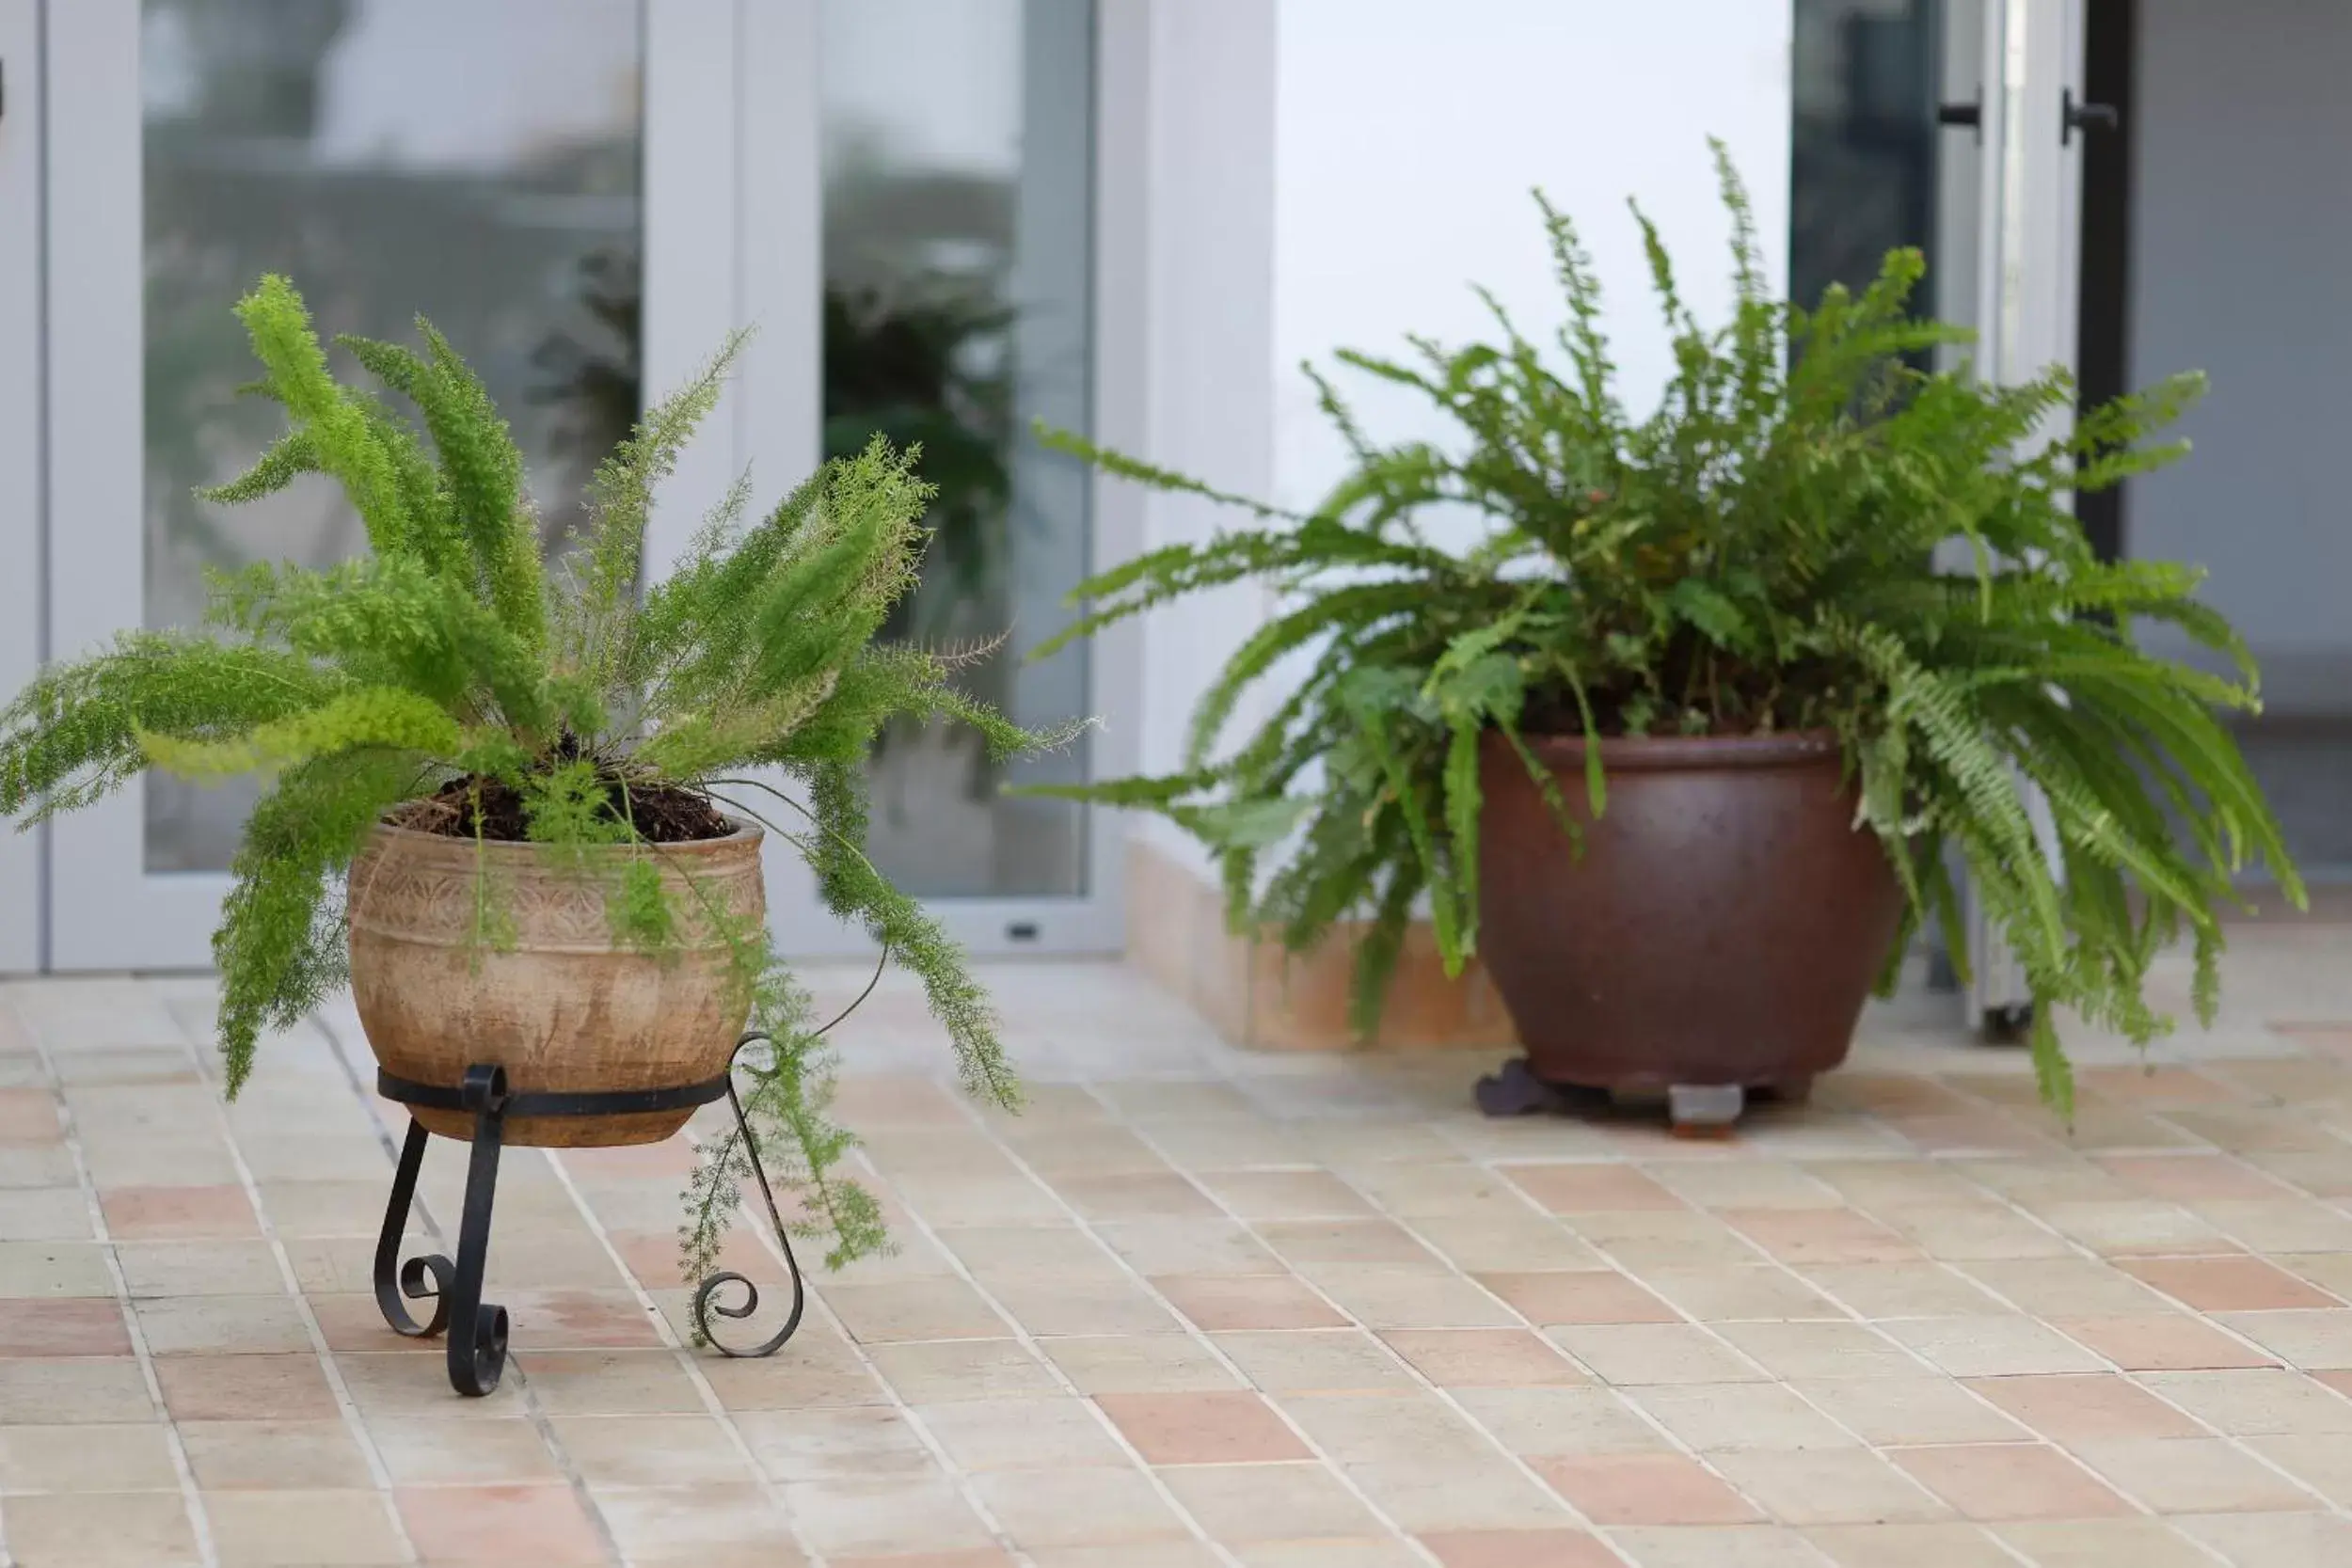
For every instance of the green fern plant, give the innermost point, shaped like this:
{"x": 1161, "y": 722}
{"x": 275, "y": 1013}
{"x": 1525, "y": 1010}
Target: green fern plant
{"x": 1758, "y": 554}
{"x": 449, "y": 666}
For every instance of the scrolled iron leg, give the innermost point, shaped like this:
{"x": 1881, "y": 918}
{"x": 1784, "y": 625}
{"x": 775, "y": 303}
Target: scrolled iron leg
{"x": 705, "y": 1300}
{"x": 425, "y": 1279}
{"x": 477, "y": 1339}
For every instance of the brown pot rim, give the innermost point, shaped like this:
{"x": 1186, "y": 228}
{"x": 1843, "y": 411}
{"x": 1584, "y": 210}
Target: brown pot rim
{"x": 1691, "y": 752}
{"x": 512, "y": 848}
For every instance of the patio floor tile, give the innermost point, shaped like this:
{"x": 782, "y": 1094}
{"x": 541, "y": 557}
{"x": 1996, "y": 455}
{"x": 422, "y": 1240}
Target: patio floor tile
{"x": 1202, "y": 1307}
{"x": 1644, "y": 1489}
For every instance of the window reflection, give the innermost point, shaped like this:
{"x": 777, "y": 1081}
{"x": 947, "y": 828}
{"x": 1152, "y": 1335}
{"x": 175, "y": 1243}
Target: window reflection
{"x": 354, "y": 146}
{"x": 957, "y": 200}
{"x": 1862, "y": 172}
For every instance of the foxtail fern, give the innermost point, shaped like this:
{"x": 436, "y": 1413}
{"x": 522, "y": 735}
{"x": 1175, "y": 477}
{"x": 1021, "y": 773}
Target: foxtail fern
{"x": 450, "y": 661}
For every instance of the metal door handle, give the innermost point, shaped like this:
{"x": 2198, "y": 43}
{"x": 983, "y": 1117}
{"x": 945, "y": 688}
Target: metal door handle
{"x": 2086, "y": 117}
{"x": 1970, "y": 113}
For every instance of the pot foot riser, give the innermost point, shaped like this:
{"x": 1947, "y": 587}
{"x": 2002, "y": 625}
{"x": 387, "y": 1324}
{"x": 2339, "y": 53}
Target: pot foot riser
{"x": 1695, "y": 1109}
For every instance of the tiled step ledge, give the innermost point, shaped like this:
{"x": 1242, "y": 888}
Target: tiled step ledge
{"x": 1258, "y": 995}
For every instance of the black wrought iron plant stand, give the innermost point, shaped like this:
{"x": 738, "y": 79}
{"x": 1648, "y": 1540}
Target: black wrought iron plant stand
{"x": 477, "y": 1329}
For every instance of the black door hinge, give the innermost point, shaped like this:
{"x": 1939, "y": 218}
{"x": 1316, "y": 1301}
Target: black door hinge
{"x": 1970, "y": 113}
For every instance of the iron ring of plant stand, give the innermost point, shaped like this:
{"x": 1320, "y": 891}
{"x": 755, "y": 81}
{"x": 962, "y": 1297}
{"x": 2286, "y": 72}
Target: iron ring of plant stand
{"x": 478, "y": 1329}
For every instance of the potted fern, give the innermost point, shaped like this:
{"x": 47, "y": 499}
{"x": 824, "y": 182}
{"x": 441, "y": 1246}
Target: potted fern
{"x": 521, "y": 810}
{"x": 1678, "y": 744}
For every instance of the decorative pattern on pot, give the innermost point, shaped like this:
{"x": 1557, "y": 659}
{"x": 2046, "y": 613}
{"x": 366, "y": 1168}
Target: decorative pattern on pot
{"x": 554, "y": 1001}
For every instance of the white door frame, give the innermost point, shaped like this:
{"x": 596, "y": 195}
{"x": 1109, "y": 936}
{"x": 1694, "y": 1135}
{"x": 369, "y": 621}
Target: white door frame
{"x": 732, "y": 224}
{"x": 22, "y": 856}
{"x": 2026, "y": 267}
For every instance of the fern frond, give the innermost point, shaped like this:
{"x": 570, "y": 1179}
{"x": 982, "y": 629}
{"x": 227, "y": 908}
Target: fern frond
{"x": 279, "y": 944}
{"x": 1754, "y": 556}
{"x": 73, "y": 735}
{"x": 339, "y": 432}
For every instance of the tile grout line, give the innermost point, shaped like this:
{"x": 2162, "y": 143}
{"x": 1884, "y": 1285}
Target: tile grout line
{"x": 1199, "y": 1335}
{"x": 2083, "y": 1251}
{"x": 2114, "y": 1368}
{"x": 932, "y": 1444}
{"x": 1949, "y": 1266}
{"x": 821, "y": 1309}
{"x": 345, "y": 1405}
{"x": 2038, "y": 1439}
{"x": 534, "y": 1412}
{"x": 2080, "y": 1251}
{"x": 1054, "y": 1369}
{"x": 1444, "y": 1396}
{"x": 1688, "y": 1318}
{"x": 1861, "y": 1320}
{"x": 2076, "y": 1251}
{"x": 191, "y": 1498}
{"x": 1558, "y": 1222}
{"x": 712, "y": 1406}
{"x": 1562, "y": 1222}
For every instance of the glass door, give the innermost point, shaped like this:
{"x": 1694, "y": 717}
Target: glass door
{"x": 941, "y": 251}
{"x": 956, "y": 155}
{"x": 2013, "y": 212}
{"x": 495, "y": 168}
{"x": 586, "y": 195}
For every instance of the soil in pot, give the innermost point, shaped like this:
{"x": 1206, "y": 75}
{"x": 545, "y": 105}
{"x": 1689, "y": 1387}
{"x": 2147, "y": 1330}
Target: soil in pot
{"x": 562, "y": 1006}
{"x": 1723, "y": 925}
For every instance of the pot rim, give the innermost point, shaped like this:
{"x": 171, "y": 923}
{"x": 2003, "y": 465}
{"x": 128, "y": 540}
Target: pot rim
{"x": 391, "y": 832}
{"x": 1693, "y": 754}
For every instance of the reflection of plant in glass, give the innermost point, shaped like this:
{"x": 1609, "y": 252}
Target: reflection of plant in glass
{"x": 922, "y": 372}
{"x": 189, "y": 416}
{"x": 927, "y": 371}
{"x": 253, "y": 66}
{"x": 593, "y": 378}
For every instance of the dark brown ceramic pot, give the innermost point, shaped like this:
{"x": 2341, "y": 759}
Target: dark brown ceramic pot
{"x": 1723, "y": 926}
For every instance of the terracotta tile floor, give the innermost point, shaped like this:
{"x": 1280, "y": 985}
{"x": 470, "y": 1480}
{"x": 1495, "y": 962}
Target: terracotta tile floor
{"x": 1197, "y": 1307}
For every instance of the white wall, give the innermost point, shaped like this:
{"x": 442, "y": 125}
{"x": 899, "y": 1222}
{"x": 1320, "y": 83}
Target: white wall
{"x": 20, "y": 446}
{"x": 1335, "y": 173}
{"x": 1409, "y": 137}
{"x": 2241, "y": 220}
{"x": 1209, "y": 338}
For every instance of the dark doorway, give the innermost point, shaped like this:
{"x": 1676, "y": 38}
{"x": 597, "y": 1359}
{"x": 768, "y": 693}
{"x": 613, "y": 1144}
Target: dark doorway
{"x": 2102, "y": 317}
{"x": 1862, "y": 153}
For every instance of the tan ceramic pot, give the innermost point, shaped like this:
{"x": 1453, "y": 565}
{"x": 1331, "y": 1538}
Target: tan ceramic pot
{"x": 561, "y": 1009}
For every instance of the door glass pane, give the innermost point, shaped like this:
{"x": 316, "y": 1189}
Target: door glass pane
{"x": 958, "y": 171}
{"x": 477, "y": 164}
{"x": 1862, "y": 146}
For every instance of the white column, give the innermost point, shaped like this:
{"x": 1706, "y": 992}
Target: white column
{"x": 21, "y": 544}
